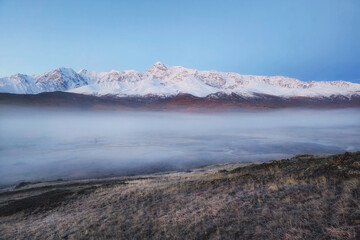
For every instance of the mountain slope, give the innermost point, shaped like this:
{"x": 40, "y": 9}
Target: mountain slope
{"x": 183, "y": 102}
{"x": 165, "y": 81}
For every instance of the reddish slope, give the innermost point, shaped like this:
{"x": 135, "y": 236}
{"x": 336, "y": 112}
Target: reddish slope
{"x": 181, "y": 101}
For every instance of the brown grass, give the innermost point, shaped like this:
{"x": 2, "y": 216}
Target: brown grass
{"x": 306, "y": 197}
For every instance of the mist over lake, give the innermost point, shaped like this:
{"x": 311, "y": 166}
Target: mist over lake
{"x": 39, "y": 144}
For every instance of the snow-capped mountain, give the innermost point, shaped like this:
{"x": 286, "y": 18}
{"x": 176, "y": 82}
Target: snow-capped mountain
{"x": 164, "y": 80}
{"x": 60, "y": 79}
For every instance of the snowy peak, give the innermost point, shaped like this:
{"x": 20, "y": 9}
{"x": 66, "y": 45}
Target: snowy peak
{"x": 89, "y": 76}
{"x": 164, "y": 80}
{"x": 160, "y": 65}
{"x": 158, "y": 70}
{"x": 60, "y": 79}
{"x": 19, "y": 83}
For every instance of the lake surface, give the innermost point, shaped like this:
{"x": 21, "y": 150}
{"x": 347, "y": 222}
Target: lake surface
{"x": 38, "y": 144}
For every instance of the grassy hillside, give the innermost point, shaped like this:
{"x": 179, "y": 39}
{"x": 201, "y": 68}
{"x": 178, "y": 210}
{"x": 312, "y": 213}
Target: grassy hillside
{"x": 305, "y": 197}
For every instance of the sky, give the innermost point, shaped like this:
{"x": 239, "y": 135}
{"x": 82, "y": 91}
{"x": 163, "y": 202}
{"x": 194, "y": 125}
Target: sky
{"x": 309, "y": 40}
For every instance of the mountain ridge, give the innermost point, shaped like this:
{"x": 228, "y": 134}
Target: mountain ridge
{"x": 183, "y": 102}
{"x": 164, "y": 80}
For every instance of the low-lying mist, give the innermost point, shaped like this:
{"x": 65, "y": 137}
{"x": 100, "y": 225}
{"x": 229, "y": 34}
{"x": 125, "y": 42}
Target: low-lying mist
{"x": 39, "y": 144}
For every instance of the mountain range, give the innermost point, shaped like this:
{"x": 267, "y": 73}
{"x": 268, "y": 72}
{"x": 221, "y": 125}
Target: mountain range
{"x": 162, "y": 81}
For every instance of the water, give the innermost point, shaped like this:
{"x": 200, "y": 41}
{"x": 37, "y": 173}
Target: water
{"x": 38, "y": 144}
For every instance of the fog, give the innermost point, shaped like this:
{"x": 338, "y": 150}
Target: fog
{"x": 38, "y": 144}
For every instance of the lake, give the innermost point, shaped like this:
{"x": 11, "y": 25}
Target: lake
{"x": 47, "y": 144}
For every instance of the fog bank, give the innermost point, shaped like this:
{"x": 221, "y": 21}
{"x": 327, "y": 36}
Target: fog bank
{"x": 38, "y": 144}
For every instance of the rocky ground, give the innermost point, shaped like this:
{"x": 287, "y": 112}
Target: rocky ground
{"x": 305, "y": 197}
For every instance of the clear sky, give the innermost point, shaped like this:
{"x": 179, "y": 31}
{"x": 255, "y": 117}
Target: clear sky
{"x": 309, "y": 40}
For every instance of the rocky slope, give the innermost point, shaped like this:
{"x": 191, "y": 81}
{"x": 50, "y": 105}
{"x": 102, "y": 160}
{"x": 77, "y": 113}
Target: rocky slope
{"x": 183, "y": 102}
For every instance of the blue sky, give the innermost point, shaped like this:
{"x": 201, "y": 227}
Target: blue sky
{"x": 309, "y": 40}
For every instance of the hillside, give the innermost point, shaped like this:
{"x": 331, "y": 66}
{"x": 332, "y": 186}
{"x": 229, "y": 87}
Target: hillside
{"x": 179, "y": 102}
{"x": 305, "y": 197}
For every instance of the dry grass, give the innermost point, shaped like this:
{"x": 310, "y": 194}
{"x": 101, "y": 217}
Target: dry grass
{"x": 306, "y": 197}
